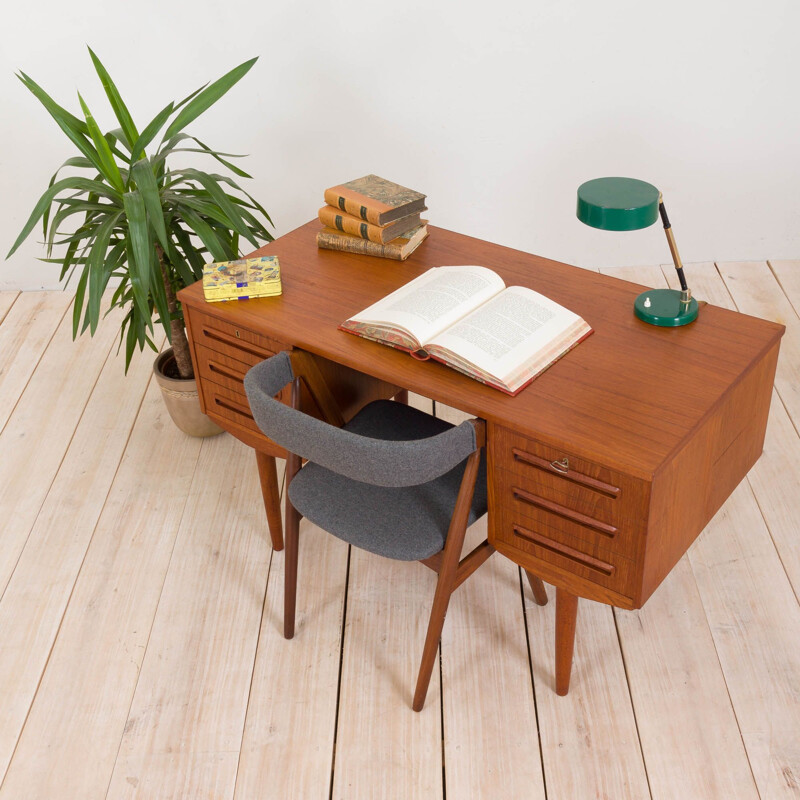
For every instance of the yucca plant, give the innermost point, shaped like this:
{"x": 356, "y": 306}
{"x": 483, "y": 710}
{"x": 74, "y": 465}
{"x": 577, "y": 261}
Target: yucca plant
{"x": 135, "y": 219}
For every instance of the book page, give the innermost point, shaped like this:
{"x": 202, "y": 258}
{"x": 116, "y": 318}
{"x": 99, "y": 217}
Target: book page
{"x": 433, "y": 301}
{"x": 514, "y": 334}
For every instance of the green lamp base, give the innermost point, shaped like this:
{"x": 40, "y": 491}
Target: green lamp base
{"x": 663, "y": 307}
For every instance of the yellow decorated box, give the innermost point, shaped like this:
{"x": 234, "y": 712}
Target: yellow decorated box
{"x": 242, "y": 279}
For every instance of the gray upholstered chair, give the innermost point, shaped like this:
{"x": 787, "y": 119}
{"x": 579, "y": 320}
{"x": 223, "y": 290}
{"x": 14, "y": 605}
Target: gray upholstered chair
{"x": 393, "y": 480}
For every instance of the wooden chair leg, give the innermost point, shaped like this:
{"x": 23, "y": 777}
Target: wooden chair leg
{"x": 402, "y": 396}
{"x": 292, "y": 547}
{"x": 447, "y": 578}
{"x": 566, "y": 617}
{"x": 271, "y": 494}
{"x": 293, "y": 464}
{"x": 441, "y": 599}
{"x": 537, "y": 587}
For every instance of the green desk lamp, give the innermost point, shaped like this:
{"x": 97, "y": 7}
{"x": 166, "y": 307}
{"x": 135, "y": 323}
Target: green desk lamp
{"x": 626, "y": 204}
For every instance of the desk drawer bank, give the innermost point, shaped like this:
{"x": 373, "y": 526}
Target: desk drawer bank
{"x": 602, "y": 472}
{"x": 223, "y": 350}
{"x": 613, "y": 536}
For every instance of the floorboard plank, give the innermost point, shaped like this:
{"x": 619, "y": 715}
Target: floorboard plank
{"x": 25, "y": 333}
{"x": 291, "y": 718}
{"x": 184, "y": 731}
{"x": 589, "y": 740}
{"x": 687, "y": 726}
{"x": 7, "y": 299}
{"x": 755, "y": 621}
{"x": 774, "y": 479}
{"x": 39, "y": 431}
{"x": 756, "y": 291}
{"x": 383, "y": 748}
{"x": 787, "y": 274}
{"x": 486, "y": 687}
{"x": 72, "y": 735}
{"x": 38, "y": 592}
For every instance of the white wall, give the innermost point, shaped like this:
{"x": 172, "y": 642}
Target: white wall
{"x": 497, "y": 110}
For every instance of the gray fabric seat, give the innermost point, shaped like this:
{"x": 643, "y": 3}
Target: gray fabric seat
{"x": 407, "y": 523}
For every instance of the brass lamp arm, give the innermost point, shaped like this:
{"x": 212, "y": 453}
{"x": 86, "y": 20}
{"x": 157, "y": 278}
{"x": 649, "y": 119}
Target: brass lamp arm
{"x": 673, "y": 248}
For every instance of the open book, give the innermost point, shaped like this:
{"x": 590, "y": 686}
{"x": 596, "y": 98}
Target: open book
{"x": 466, "y": 318}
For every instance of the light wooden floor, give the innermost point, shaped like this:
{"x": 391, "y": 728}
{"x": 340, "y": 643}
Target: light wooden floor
{"x": 140, "y": 645}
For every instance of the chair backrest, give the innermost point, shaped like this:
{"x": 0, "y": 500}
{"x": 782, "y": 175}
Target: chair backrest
{"x": 375, "y": 461}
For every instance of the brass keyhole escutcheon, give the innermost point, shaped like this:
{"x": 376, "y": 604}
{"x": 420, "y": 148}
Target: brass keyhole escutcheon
{"x": 562, "y": 465}
{"x": 237, "y": 334}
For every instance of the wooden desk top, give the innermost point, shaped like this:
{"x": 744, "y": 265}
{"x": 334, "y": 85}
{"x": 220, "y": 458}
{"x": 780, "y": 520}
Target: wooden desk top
{"x": 628, "y": 396}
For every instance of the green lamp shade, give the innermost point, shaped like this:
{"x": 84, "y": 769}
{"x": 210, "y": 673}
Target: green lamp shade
{"x": 618, "y": 204}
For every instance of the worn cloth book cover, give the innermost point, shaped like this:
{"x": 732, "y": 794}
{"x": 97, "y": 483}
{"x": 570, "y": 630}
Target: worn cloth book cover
{"x": 467, "y": 318}
{"x": 398, "y": 249}
{"x": 333, "y": 218}
{"x": 242, "y": 279}
{"x": 375, "y": 200}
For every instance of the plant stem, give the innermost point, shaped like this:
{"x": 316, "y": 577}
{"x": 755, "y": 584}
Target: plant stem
{"x": 180, "y": 344}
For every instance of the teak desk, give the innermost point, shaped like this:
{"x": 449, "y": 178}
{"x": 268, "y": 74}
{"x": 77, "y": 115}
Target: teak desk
{"x": 601, "y": 473}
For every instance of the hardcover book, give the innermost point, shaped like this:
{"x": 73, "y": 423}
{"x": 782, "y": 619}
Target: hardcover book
{"x": 375, "y": 200}
{"x": 466, "y": 318}
{"x": 398, "y": 249}
{"x": 242, "y": 279}
{"x": 333, "y": 218}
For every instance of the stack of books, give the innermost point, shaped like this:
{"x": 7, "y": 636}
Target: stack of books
{"x": 242, "y": 279}
{"x": 374, "y": 217}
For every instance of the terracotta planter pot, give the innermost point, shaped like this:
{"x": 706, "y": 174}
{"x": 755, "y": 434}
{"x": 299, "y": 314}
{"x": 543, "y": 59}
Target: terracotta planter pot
{"x": 180, "y": 397}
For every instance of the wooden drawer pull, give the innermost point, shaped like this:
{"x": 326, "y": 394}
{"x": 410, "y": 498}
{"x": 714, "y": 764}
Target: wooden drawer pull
{"x": 563, "y": 470}
{"x": 226, "y": 372}
{"x": 231, "y": 406}
{"x": 566, "y": 513}
{"x": 564, "y": 550}
{"x": 237, "y": 343}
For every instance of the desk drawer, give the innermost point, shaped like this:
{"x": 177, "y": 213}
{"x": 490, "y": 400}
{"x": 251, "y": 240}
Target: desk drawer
{"x": 528, "y": 542}
{"x": 223, "y": 370}
{"x": 587, "y": 488}
{"x": 230, "y": 405}
{"x": 566, "y": 520}
{"x": 231, "y": 340}
{"x": 579, "y": 515}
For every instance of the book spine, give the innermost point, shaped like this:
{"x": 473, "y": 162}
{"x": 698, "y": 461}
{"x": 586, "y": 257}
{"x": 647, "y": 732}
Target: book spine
{"x": 347, "y": 244}
{"x": 357, "y": 332}
{"x": 227, "y": 293}
{"x": 344, "y": 222}
{"x": 347, "y": 205}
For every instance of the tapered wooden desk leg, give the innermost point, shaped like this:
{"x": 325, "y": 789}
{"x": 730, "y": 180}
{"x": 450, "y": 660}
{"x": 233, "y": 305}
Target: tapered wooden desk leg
{"x": 272, "y": 501}
{"x": 537, "y": 587}
{"x": 402, "y": 396}
{"x": 566, "y": 617}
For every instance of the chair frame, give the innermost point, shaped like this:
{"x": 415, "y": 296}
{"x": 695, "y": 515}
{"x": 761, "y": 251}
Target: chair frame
{"x": 452, "y": 570}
